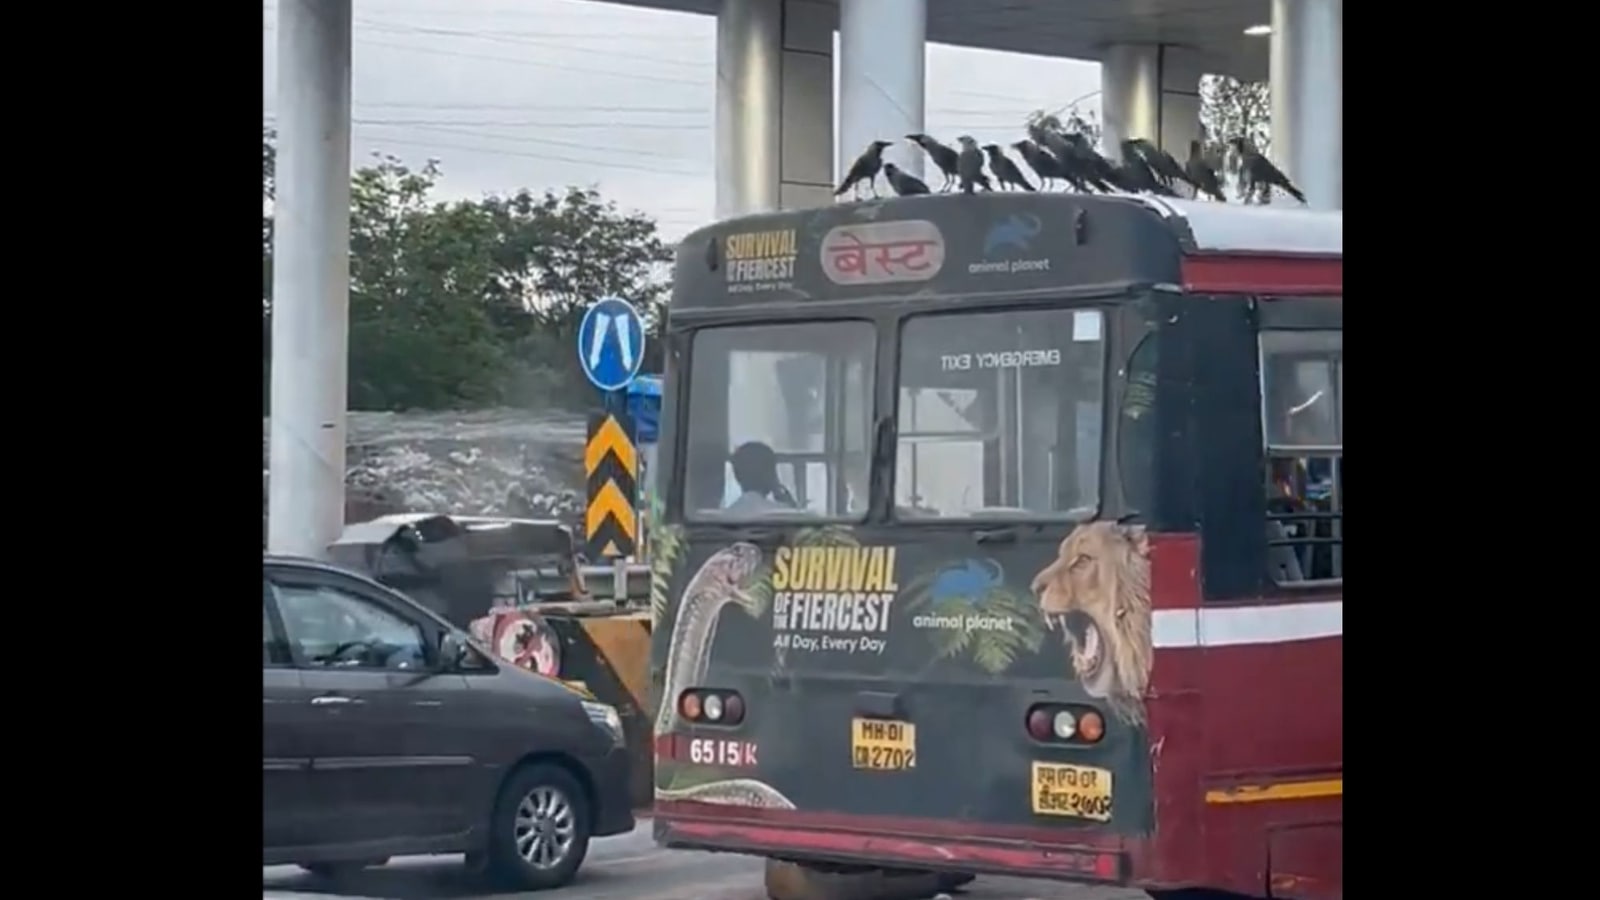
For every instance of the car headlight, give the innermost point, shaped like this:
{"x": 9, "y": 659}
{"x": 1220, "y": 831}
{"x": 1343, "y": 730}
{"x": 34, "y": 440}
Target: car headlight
{"x": 605, "y": 715}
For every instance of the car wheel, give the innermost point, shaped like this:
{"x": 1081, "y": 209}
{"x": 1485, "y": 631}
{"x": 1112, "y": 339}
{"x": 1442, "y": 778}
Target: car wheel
{"x": 332, "y": 870}
{"x": 539, "y": 834}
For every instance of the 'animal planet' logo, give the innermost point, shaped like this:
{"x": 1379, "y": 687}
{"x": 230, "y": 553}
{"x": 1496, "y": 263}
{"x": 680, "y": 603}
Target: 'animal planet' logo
{"x": 759, "y": 260}
{"x": 882, "y": 252}
{"x": 1006, "y": 240}
{"x": 833, "y": 599}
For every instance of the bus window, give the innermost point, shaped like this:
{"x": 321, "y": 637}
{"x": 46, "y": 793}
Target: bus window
{"x": 1302, "y": 392}
{"x": 1136, "y": 429}
{"x": 1000, "y": 414}
{"x": 778, "y": 418}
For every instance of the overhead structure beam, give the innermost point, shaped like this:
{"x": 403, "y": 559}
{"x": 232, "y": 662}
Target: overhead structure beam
{"x": 882, "y": 79}
{"x": 310, "y": 278}
{"x": 1307, "y": 85}
{"x": 774, "y": 105}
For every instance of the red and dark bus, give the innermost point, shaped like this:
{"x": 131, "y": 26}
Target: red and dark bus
{"x": 1003, "y": 534}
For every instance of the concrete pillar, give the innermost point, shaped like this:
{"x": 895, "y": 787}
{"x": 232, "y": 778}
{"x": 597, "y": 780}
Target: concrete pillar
{"x": 882, "y": 79}
{"x": 1307, "y": 84}
{"x": 311, "y": 278}
{"x": 774, "y": 118}
{"x": 1150, "y": 91}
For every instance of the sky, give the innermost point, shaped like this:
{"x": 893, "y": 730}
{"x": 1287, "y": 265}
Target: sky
{"x": 508, "y": 94}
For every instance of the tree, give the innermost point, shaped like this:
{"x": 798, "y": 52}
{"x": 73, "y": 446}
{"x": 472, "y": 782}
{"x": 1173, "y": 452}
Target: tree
{"x": 269, "y": 172}
{"x": 1228, "y": 108}
{"x": 1086, "y": 124}
{"x": 471, "y": 303}
{"x": 1233, "y": 108}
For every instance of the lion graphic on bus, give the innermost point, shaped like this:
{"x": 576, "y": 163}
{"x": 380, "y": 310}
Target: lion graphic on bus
{"x": 1097, "y": 592}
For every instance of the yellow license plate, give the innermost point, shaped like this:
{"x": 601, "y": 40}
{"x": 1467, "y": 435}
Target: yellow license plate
{"x": 1081, "y": 792}
{"x": 883, "y": 744}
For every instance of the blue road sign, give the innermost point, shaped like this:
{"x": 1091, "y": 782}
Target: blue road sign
{"x": 611, "y": 343}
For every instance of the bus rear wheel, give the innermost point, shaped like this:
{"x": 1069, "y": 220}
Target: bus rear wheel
{"x": 805, "y": 881}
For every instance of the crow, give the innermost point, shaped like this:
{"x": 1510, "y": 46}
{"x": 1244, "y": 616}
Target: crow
{"x": 943, "y": 156}
{"x": 1075, "y": 153}
{"x": 1198, "y": 172}
{"x": 1255, "y": 169}
{"x": 1005, "y": 171}
{"x": 969, "y": 166}
{"x": 904, "y": 183}
{"x": 1160, "y": 161}
{"x": 1047, "y": 167}
{"x": 865, "y": 168}
{"x": 1135, "y": 176}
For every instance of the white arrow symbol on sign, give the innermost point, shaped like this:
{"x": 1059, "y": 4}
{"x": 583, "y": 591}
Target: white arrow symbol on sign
{"x": 624, "y": 341}
{"x": 604, "y": 322}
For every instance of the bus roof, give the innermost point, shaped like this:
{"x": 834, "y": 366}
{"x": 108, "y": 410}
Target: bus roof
{"x": 989, "y": 243}
{"x": 1205, "y": 227}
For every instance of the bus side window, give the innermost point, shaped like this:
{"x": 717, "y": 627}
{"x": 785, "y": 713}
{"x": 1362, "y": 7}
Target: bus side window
{"x": 1302, "y": 393}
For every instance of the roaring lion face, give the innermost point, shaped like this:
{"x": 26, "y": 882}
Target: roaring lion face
{"x": 1097, "y": 591}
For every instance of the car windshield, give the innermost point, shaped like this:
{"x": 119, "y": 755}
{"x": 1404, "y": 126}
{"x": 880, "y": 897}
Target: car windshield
{"x": 1000, "y": 414}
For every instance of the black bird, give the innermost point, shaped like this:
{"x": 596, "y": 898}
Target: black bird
{"x": 1005, "y": 171}
{"x": 1047, "y": 167}
{"x": 969, "y": 166}
{"x": 1198, "y": 172}
{"x": 1135, "y": 177}
{"x": 865, "y": 168}
{"x": 1255, "y": 169}
{"x": 1093, "y": 168}
{"x": 1053, "y": 142}
{"x": 943, "y": 156}
{"x": 1160, "y": 161}
{"x": 904, "y": 183}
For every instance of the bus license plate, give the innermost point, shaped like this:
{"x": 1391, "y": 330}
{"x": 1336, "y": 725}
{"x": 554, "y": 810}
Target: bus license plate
{"x": 883, "y": 745}
{"x": 1081, "y": 792}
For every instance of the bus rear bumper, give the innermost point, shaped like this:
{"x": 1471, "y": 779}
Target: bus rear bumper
{"x": 888, "y": 843}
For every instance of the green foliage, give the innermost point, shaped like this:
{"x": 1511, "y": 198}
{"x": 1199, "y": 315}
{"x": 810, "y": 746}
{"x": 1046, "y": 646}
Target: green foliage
{"x": 1068, "y": 120}
{"x": 992, "y": 651}
{"x": 666, "y": 543}
{"x": 758, "y": 589}
{"x": 475, "y": 303}
{"x": 826, "y": 536}
{"x": 1228, "y": 108}
{"x": 1233, "y": 108}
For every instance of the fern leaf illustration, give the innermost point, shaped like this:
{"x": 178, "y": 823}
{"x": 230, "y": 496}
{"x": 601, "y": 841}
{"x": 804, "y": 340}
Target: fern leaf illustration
{"x": 826, "y": 536}
{"x": 991, "y": 654}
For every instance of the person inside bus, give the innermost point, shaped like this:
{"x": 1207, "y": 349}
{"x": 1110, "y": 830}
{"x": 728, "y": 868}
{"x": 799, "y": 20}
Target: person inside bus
{"x": 1299, "y": 483}
{"x": 755, "y": 468}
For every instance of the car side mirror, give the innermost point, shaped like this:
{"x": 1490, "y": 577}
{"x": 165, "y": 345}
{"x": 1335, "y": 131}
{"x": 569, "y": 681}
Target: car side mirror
{"x": 452, "y": 653}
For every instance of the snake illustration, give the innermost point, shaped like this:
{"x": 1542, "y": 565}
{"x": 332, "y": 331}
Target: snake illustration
{"x": 732, "y": 792}
{"x": 724, "y": 578}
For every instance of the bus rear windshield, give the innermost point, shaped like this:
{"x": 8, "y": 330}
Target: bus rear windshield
{"x": 1000, "y": 414}
{"x": 778, "y": 421}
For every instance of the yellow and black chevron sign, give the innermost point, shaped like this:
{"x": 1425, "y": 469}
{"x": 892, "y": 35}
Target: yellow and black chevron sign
{"x": 611, "y": 465}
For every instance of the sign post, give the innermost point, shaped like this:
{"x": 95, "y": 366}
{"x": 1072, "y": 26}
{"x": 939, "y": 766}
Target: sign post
{"x": 611, "y": 352}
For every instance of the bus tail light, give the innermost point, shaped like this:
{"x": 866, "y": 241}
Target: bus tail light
{"x": 708, "y": 707}
{"x": 1091, "y": 727}
{"x": 1054, "y": 723}
{"x": 689, "y": 706}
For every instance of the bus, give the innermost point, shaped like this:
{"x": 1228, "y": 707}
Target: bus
{"x": 1002, "y": 534}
